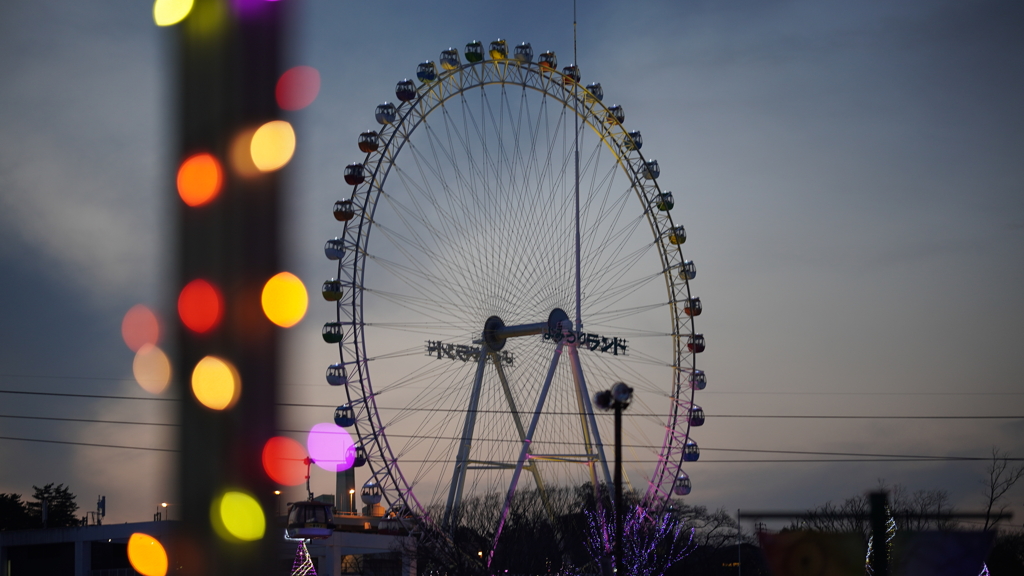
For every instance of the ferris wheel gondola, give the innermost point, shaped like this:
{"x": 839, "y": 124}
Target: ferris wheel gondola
{"x": 309, "y": 519}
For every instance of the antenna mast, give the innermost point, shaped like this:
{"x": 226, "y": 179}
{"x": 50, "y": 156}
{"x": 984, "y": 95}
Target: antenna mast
{"x": 576, "y": 152}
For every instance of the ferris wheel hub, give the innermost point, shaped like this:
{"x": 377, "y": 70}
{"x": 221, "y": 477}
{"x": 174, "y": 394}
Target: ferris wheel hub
{"x": 496, "y": 332}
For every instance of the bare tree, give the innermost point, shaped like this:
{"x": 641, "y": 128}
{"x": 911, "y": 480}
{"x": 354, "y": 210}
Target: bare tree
{"x": 905, "y": 507}
{"x": 1000, "y": 477}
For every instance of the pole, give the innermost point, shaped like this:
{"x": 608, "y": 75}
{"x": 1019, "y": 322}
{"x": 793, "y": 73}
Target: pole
{"x": 739, "y": 546}
{"x": 618, "y": 488}
{"x": 576, "y": 154}
{"x": 879, "y": 534}
{"x": 228, "y": 57}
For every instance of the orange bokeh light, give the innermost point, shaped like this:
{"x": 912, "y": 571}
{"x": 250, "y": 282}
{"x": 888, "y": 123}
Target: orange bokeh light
{"x": 297, "y": 88}
{"x": 152, "y": 369}
{"x": 147, "y": 555}
{"x": 200, "y": 179}
{"x": 200, "y": 305}
{"x": 140, "y": 327}
{"x": 283, "y": 460}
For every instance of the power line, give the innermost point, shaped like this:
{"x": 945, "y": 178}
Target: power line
{"x": 648, "y": 414}
{"x": 514, "y": 441}
{"x": 552, "y": 413}
{"x": 723, "y": 392}
{"x": 785, "y": 393}
{"x": 860, "y": 457}
{"x": 102, "y": 396}
{"x": 48, "y": 377}
{"x": 633, "y": 461}
{"x": 89, "y": 420}
{"x": 89, "y": 444}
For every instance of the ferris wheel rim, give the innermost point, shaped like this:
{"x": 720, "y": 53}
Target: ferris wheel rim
{"x": 552, "y": 83}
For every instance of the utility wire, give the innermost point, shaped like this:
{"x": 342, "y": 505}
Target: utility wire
{"x": 552, "y": 413}
{"x": 89, "y": 444}
{"x": 886, "y": 457}
{"x": 719, "y": 392}
{"x": 103, "y": 396}
{"x": 634, "y": 461}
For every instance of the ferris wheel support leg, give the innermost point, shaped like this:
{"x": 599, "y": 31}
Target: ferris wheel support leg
{"x": 522, "y": 435}
{"x": 526, "y": 450}
{"x": 588, "y": 408}
{"x": 459, "y": 474}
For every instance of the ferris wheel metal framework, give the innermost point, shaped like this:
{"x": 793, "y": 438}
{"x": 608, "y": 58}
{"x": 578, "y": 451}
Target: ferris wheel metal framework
{"x": 353, "y": 252}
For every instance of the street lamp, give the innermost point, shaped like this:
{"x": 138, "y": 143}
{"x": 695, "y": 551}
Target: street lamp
{"x": 616, "y": 399}
{"x": 352, "y": 501}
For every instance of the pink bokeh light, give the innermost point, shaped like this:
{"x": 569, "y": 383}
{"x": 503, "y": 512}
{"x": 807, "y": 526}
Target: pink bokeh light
{"x": 331, "y": 447}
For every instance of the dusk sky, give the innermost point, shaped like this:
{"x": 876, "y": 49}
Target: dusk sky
{"x": 851, "y": 177}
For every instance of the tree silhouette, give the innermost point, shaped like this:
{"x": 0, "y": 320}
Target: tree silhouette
{"x": 1000, "y": 477}
{"x": 14, "y": 513}
{"x": 60, "y": 504}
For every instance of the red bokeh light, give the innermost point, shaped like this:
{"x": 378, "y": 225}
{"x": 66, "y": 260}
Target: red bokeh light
{"x": 283, "y": 460}
{"x": 297, "y": 88}
{"x": 200, "y": 306}
{"x": 140, "y": 327}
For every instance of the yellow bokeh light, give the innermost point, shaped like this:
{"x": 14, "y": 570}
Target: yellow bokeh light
{"x": 272, "y": 145}
{"x": 285, "y": 299}
{"x": 216, "y": 383}
{"x": 152, "y": 369}
{"x": 238, "y": 516}
{"x": 147, "y": 555}
{"x": 170, "y": 12}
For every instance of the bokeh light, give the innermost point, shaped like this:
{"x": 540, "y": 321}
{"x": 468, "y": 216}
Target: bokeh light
{"x": 200, "y": 306}
{"x": 272, "y": 145}
{"x": 200, "y": 179}
{"x": 297, "y": 88}
{"x": 331, "y": 447}
{"x": 284, "y": 461}
{"x": 147, "y": 555}
{"x": 240, "y": 154}
{"x": 152, "y": 369}
{"x": 215, "y": 383}
{"x": 285, "y": 299}
{"x": 238, "y": 516}
{"x": 140, "y": 327}
{"x": 170, "y": 12}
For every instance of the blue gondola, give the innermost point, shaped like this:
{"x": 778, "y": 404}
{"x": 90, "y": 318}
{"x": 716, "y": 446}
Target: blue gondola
{"x": 682, "y": 484}
{"x": 345, "y": 416}
{"x": 695, "y": 416}
{"x": 698, "y": 380}
{"x": 426, "y": 72}
{"x": 691, "y": 453}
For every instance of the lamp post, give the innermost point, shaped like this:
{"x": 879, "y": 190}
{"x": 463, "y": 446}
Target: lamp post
{"x": 352, "y": 501}
{"x": 617, "y": 398}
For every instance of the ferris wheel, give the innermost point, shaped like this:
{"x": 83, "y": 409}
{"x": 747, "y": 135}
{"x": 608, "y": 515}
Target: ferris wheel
{"x": 473, "y": 324}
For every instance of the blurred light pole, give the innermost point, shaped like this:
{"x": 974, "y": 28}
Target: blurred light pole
{"x": 617, "y": 399}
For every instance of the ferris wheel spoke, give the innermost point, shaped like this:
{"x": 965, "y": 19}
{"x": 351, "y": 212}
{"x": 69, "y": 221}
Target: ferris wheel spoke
{"x": 473, "y": 203}
{"x": 435, "y": 286}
